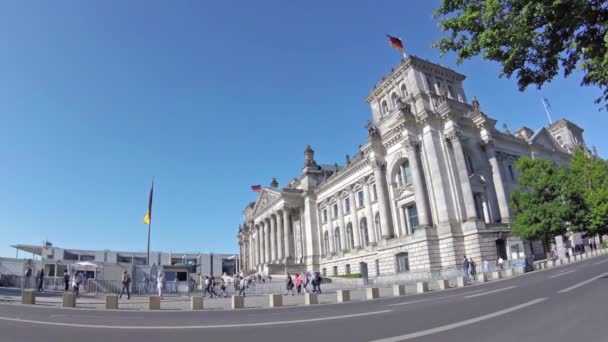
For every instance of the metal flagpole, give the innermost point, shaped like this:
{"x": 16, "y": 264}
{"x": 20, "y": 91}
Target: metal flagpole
{"x": 547, "y": 110}
{"x": 149, "y": 221}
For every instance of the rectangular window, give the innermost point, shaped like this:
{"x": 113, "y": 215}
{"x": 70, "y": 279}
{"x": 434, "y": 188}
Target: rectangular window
{"x": 374, "y": 193}
{"x": 429, "y": 85}
{"x": 451, "y": 91}
{"x": 412, "y": 215}
{"x": 335, "y": 210}
{"x": 403, "y": 263}
{"x": 347, "y": 268}
{"x": 511, "y": 172}
{"x": 347, "y": 205}
{"x": 324, "y": 215}
{"x": 335, "y": 270}
{"x": 360, "y": 197}
{"x": 478, "y": 206}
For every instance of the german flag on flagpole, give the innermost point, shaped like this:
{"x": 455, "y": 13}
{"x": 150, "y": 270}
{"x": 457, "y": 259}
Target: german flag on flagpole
{"x": 396, "y": 43}
{"x": 148, "y": 216}
{"x": 256, "y": 188}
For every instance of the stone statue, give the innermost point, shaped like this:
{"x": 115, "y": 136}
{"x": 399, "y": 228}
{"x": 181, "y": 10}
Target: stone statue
{"x": 505, "y": 128}
{"x": 347, "y": 159}
{"x": 371, "y": 129}
{"x": 475, "y": 104}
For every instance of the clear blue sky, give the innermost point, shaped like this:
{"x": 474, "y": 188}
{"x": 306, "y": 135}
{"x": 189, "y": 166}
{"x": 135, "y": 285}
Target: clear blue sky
{"x": 210, "y": 97}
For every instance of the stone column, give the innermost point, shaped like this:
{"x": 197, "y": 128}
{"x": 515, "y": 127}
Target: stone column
{"x": 354, "y": 219}
{"x": 383, "y": 201}
{"x": 422, "y": 203}
{"x": 267, "y": 240}
{"x": 340, "y": 203}
{"x": 280, "y": 239}
{"x": 286, "y": 237}
{"x": 310, "y": 233}
{"x": 330, "y": 230}
{"x": 258, "y": 244}
{"x": 371, "y": 222}
{"x": 463, "y": 174}
{"x": 503, "y": 201}
{"x": 273, "y": 239}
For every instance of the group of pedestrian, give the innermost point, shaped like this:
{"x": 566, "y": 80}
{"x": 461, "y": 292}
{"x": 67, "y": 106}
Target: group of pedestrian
{"x": 300, "y": 282}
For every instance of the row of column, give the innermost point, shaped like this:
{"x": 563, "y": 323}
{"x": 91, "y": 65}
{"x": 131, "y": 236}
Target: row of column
{"x": 269, "y": 240}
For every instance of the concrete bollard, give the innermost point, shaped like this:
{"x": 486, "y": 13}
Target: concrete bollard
{"x": 585, "y": 256}
{"x": 509, "y": 272}
{"x": 372, "y": 292}
{"x": 422, "y": 287}
{"x": 196, "y": 303}
{"x": 28, "y": 297}
{"x": 443, "y": 284}
{"x": 461, "y": 282}
{"x": 154, "y": 303}
{"x": 496, "y": 275}
{"x": 482, "y": 278}
{"x": 558, "y": 262}
{"x": 398, "y": 290}
{"x": 69, "y": 300}
{"x": 519, "y": 270}
{"x": 311, "y": 299}
{"x": 550, "y": 264}
{"x": 565, "y": 261}
{"x": 111, "y": 302}
{"x": 343, "y": 296}
{"x": 238, "y": 302}
{"x": 275, "y": 300}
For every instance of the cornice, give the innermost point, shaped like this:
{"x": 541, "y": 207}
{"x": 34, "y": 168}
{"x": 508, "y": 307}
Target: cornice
{"x": 342, "y": 175}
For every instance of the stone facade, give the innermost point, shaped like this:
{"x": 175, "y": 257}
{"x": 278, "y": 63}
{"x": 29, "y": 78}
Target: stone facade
{"x": 430, "y": 185}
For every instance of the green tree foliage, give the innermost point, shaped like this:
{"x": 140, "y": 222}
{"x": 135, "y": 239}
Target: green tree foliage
{"x": 531, "y": 38}
{"x": 546, "y": 204}
{"x": 590, "y": 177}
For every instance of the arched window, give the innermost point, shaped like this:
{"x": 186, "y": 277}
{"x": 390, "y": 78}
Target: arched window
{"x": 349, "y": 234}
{"x": 403, "y": 262}
{"x": 394, "y": 98}
{"x": 403, "y": 90}
{"x": 378, "y": 227}
{"x": 337, "y": 239}
{"x": 364, "y": 232}
{"x": 384, "y": 108}
{"x": 326, "y": 239}
{"x": 404, "y": 174}
{"x": 560, "y": 140}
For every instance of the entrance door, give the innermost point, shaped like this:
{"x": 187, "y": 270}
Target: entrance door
{"x": 501, "y": 248}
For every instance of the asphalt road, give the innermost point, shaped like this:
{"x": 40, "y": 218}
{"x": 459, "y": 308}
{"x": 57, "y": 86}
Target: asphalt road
{"x": 562, "y": 304}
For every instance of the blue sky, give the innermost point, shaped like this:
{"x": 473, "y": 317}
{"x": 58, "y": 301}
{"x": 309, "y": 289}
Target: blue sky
{"x": 210, "y": 97}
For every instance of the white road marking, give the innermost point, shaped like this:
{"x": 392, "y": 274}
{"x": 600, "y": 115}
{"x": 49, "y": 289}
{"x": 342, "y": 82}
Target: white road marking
{"x": 430, "y": 299}
{"x": 177, "y": 327}
{"x": 562, "y": 273}
{"x": 601, "y": 262}
{"x": 568, "y": 289}
{"x": 459, "y": 324}
{"x": 490, "y": 292}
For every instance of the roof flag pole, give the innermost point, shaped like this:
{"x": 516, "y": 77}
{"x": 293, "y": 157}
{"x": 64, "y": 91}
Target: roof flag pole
{"x": 148, "y": 220}
{"x": 397, "y": 43}
{"x": 547, "y": 106}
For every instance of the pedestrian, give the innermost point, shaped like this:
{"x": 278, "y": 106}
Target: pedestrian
{"x": 222, "y": 288}
{"x": 28, "y": 276}
{"x": 298, "y": 283}
{"x": 210, "y": 286}
{"x": 41, "y": 280}
{"x": 159, "y": 284}
{"x": 126, "y": 283}
{"x": 465, "y": 266}
{"x": 146, "y": 284}
{"x": 76, "y": 280}
{"x": 289, "y": 285}
{"x": 242, "y": 286}
{"x": 486, "y": 266}
{"x": 66, "y": 279}
{"x": 500, "y": 262}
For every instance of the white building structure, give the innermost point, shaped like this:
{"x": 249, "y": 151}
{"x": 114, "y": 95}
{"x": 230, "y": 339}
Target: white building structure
{"x": 430, "y": 185}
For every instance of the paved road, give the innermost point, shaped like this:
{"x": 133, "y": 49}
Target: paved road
{"x": 562, "y": 304}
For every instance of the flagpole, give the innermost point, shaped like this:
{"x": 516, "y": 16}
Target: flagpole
{"x": 149, "y": 225}
{"x": 547, "y": 111}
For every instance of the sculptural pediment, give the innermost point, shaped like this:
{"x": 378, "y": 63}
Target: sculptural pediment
{"x": 266, "y": 198}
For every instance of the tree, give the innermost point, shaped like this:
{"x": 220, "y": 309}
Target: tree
{"x": 530, "y": 38}
{"x": 546, "y": 204}
{"x": 590, "y": 177}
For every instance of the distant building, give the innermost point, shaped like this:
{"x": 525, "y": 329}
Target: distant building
{"x": 174, "y": 266}
{"x": 430, "y": 185}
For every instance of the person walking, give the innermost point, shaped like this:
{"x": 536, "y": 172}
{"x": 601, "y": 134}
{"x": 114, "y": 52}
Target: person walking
{"x": 28, "y": 276}
{"x": 210, "y": 286}
{"x": 242, "y": 286}
{"x": 66, "y": 279}
{"x": 159, "y": 284}
{"x": 41, "y": 280}
{"x": 486, "y": 266}
{"x": 289, "y": 285}
{"x": 465, "y": 267}
{"x": 126, "y": 283}
{"x": 500, "y": 262}
{"x": 76, "y": 280}
{"x": 146, "y": 284}
{"x": 472, "y": 268}
{"x": 222, "y": 288}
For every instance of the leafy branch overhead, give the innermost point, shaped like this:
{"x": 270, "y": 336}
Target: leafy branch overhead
{"x": 532, "y": 39}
